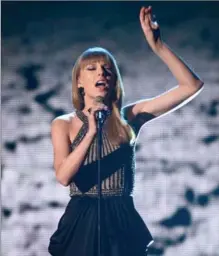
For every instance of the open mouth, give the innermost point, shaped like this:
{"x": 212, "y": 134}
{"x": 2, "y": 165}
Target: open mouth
{"x": 101, "y": 84}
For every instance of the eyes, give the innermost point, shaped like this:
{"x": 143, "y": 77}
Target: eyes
{"x": 94, "y": 67}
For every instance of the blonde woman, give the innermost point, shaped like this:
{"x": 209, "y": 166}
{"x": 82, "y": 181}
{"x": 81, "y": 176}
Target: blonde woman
{"x": 74, "y": 138}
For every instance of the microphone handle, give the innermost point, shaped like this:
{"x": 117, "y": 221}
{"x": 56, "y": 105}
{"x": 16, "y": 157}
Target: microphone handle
{"x": 100, "y": 116}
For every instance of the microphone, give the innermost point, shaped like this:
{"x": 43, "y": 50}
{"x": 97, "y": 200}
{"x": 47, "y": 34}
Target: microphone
{"x": 100, "y": 115}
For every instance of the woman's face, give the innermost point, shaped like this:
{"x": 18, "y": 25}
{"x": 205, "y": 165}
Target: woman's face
{"x": 97, "y": 79}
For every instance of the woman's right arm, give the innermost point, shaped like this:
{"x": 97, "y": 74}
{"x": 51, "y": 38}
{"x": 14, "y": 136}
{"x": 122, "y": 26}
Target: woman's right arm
{"x": 67, "y": 164}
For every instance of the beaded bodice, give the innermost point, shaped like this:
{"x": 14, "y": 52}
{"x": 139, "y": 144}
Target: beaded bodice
{"x": 117, "y": 166}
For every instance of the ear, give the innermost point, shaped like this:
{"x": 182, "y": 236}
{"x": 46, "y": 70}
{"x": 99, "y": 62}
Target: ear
{"x": 79, "y": 83}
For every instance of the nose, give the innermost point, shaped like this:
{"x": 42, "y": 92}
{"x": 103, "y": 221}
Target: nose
{"x": 102, "y": 71}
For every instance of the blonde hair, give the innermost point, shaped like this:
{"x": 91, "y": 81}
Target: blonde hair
{"x": 117, "y": 128}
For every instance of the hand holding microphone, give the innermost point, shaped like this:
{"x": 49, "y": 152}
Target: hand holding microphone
{"x": 97, "y": 113}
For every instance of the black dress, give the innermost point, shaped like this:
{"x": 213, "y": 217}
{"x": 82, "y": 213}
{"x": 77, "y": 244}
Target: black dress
{"x": 123, "y": 231}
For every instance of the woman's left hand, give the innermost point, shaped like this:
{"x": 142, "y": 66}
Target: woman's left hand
{"x": 150, "y": 28}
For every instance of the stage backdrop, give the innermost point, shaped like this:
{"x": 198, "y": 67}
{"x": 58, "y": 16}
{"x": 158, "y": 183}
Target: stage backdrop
{"x": 177, "y": 176}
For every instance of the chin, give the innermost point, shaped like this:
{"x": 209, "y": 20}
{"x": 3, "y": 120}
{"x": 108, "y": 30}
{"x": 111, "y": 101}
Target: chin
{"x": 102, "y": 94}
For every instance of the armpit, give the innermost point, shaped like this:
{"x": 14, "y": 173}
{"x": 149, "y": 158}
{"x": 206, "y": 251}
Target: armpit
{"x": 139, "y": 120}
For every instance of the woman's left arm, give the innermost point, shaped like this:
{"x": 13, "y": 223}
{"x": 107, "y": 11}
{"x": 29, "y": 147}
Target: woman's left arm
{"x": 189, "y": 84}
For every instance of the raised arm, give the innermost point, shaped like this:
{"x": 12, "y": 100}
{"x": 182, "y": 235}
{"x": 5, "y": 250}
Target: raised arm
{"x": 189, "y": 84}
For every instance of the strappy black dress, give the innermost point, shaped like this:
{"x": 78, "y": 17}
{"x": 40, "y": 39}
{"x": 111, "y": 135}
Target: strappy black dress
{"x": 123, "y": 231}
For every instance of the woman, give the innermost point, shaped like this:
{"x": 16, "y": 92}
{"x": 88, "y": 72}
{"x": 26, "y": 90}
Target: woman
{"x": 74, "y": 138}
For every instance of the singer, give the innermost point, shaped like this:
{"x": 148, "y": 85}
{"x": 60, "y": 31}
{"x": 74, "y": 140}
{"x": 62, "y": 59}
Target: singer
{"x": 98, "y": 93}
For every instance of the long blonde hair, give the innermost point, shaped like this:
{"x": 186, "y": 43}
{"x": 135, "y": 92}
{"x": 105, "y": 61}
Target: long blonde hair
{"x": 117, "y": 128}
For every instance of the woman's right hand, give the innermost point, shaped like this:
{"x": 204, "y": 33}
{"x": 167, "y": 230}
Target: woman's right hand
{"x": 92, "y": 124}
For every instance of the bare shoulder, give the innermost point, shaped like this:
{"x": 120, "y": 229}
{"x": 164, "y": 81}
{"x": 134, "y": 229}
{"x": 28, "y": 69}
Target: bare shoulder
{"x": 62, "y": 123}
{"x": 66, "y": 126}
{"x": 63, "y": 120}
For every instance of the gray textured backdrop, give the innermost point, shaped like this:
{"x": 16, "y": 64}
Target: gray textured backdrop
{"x": 177, "y": 176}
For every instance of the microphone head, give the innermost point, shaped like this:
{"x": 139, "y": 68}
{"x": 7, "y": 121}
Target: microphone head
{"x": 101, "y": 115}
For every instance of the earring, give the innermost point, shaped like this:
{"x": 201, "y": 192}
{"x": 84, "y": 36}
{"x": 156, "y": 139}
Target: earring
{"x": 81, "y": 91}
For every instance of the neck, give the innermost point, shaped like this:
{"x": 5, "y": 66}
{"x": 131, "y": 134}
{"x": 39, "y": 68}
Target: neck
{"x": 89, "y": 102}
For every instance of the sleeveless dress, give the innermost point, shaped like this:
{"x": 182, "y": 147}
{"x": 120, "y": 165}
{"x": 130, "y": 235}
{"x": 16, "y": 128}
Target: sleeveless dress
{"x": 123, "y": 231}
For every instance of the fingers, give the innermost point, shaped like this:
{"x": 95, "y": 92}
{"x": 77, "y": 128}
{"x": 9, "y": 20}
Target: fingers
{"x": 147, "y": 18}
{"x": 98, "y": 106}
{"x": 142, "y": 14}
{"x": 91, "y": 117}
